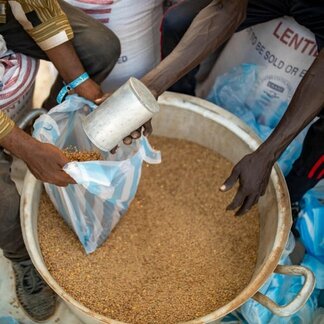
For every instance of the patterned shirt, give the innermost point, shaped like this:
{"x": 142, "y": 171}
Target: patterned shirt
{"x": 45, "y": 22}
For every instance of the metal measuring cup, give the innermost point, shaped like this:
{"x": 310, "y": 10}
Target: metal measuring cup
{"x": 127, "y": 109}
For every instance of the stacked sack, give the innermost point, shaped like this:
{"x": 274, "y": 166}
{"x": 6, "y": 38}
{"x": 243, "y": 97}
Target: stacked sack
{"x": 17, "y": 80}
{"x": 137, "y": 25}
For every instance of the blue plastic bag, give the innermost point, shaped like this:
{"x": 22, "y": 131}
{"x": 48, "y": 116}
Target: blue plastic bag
{"x": 310, "y": 225}
{"x": 281, "y": 289}
{"x": 8, "y": 320}
{"x": 104, "y": 189}
{"x": 238, "y": 91}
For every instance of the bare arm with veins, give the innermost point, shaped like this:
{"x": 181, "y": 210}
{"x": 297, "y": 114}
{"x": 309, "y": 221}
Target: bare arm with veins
{"x": 214, "y": 25}
{"x": 253, "y": 171}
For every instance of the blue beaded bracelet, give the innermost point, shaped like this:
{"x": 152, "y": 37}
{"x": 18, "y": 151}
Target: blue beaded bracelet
{"x": 72, "y": 85}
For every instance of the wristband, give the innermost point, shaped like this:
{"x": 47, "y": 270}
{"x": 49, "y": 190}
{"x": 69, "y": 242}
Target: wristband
{"x": 70, "y": 86}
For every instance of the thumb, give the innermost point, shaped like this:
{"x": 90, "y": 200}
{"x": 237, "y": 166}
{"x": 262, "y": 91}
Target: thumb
{"x": 98, "y": 101}
{"x": 230, "y": 181}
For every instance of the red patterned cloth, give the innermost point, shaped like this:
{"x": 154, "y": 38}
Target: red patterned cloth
{"x": 16, "y": 80}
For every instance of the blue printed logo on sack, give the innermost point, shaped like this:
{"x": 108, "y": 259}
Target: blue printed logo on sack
{"x": 269, "y": 98}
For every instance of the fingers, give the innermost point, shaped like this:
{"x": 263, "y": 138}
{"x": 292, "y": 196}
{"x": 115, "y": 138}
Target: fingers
{"x": 247, "y": 205}
{"x": 136, "y": 134}
{"x": 263, "y": 190}
{"x": 60, "y": 178}
{"x": 67, "y": 179}
{"x": 127, "y": 140}
{"x": 148, "y": 129}
{"x": 54, "y": 176}
{"x": 237, "y": 201}
{"x": 243, "y": 202}
{"x": 62, "y": 160}
{"x": 133, "y": 136}
{"x": 102, "y": 99}
{"x": 62, "y": 183}
{"x": 230, "y": 181}
{"x": 114, "y": 150}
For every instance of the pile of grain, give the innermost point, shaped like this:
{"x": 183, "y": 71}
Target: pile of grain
{"x": 81, "y": 156}
{"x": 176, "y": 255}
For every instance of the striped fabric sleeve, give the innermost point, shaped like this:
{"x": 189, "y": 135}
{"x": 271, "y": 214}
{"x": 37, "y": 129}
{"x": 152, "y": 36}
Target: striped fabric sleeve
{"x": 3, "y": 11}
{"x": 44, "y": 21}
{"x": 6, "y": 125}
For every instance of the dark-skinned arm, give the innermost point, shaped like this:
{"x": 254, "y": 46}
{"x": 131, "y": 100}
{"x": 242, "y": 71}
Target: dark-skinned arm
{"x": 253, "y": 171}
{"x": 89, "y": 89}
{"x": 45, "y": 161}
{"x": 52, "y": 32}
{"x": 209, "y": 30}
{"x": 69, "y": 66}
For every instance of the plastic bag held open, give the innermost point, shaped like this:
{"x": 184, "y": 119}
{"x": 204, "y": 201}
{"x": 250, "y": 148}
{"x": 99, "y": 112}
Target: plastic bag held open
{"x": 104, "y": 189}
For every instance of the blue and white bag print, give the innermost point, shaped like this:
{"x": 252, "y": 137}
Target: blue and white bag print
{"x": 104, "y": 189}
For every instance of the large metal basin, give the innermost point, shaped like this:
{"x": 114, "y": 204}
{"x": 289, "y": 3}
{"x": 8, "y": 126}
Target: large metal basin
{"x": 199, "y": 121}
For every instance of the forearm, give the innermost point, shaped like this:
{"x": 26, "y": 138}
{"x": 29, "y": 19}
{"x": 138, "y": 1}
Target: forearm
{"x": 17, "y": 142}
{"x": 305, "y": 105}
{"x": 45, "y": 161}
{"x": 69, "y": 66}
{"x": 51, "y": 30}
{"x": 210, "y": 29}
{"x": 66, "y": 61}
